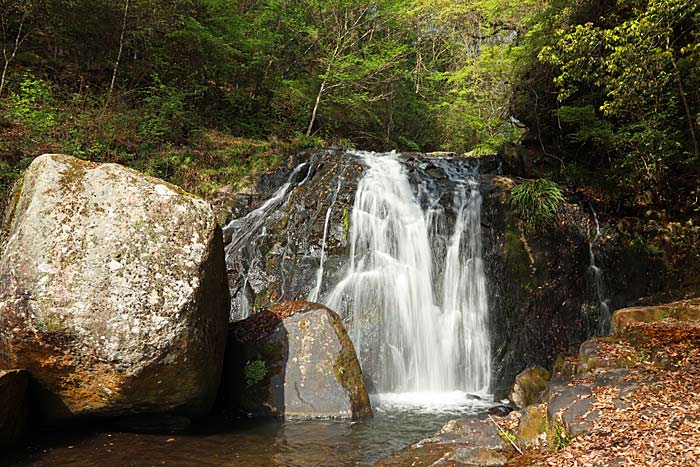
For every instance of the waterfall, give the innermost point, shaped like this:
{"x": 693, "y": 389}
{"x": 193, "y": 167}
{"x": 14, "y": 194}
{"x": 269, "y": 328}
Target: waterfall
{"x": 603, "y": 307}
{"x": 415, "y": 291}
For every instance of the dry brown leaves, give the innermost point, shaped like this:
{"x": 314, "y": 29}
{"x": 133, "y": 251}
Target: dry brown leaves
{"x": 659, "y": 425}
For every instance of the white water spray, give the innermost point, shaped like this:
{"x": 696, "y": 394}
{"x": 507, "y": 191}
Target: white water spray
{"x": 418, "y": 320}
{"x": 603, "y": 307}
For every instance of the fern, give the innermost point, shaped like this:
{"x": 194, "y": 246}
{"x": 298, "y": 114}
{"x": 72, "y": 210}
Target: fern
{"x": 537, "y": 202}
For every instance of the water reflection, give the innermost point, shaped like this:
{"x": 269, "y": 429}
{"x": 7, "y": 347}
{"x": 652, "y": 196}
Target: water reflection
{"x": 398, "y": 423}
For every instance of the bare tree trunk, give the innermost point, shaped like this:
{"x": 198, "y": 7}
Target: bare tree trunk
{"x": 121, "y": 49}
{"x": 321, "y": 90}
{"x": 18, "y": 41}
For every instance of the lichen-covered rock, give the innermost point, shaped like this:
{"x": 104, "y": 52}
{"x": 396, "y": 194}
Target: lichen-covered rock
{"x": 113, "y": 291}
{"x": 15, "y": 409}
{"x": 529, "y": 386}
{"x": 294, "y": 360}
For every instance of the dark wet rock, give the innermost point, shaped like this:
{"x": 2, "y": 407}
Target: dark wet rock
{"x": 529, "y": 386}
{"x": 294, "y": 360}
{"x": 541, "y": 296}
{"x": 500, "y": 410}
{"x": 275, "y": 258}
{"x": 112, "y": 291}
{"x": 15, "y": 406}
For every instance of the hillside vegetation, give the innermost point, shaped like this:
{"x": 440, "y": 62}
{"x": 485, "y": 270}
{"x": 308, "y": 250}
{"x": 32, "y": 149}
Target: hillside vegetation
{"x": 603, "y": 94}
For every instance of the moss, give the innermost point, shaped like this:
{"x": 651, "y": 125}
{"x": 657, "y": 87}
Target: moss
{"x": 349, "y": 374}
{"x": 255, "y": 372}
{"x": 346, "y": 223}
{"x": 516, "y": 253}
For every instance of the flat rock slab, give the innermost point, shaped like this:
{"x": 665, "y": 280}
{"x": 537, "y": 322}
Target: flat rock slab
{"x": 295, "y": 360}
{"x": 113, "y": 291}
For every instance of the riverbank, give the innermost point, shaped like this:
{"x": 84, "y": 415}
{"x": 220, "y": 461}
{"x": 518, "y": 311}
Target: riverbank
{"x": 626, "y": 400}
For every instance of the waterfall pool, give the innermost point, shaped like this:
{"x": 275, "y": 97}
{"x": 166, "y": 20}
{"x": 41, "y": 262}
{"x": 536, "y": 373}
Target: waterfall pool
{"x": 399, "y": 421}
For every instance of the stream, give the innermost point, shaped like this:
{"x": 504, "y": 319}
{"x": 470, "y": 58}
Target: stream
{"x": 400, "y": 420}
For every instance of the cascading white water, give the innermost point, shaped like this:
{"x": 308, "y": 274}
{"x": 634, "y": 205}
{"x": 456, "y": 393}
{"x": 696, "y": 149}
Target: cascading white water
{"x": 604, "y": 314}
{"x": 415, "y": 297}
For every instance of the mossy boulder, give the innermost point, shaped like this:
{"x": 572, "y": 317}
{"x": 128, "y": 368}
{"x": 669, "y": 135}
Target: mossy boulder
{"x": 529, "y": 386}
{"x": 113, "y": 291}
{"x": 294, "y": 360}
{"x": 532, "y": 430}
{"x": 15, "y": 406}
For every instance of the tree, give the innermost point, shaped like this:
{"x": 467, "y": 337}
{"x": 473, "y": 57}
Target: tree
{"x": 15, "y": 19}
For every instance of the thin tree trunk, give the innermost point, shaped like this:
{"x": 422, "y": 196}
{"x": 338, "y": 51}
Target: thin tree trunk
{"x": 18, "y": 42}
{"x": 321, "y": 90}
{"x": 121, "y": 49}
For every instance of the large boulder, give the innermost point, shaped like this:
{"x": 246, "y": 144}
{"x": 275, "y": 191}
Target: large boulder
{"x": 113, "y": 291}
{"x": 15, "y": 407}
{"x": 297, "y": 361}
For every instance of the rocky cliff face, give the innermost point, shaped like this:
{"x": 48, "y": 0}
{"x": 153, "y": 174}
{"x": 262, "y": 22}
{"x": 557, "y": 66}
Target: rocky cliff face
{"x": 112, "y": 291}
{"x": 542, "y": 298}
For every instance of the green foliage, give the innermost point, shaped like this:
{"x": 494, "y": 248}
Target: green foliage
{"x": 537, "y": 201}
{"x": 165, "y": 115}
{"x": 31, "y": 104}
{"x": 625, "y": 77}
{"x": 255, "y": 372}
{"x": 561, "y": 437}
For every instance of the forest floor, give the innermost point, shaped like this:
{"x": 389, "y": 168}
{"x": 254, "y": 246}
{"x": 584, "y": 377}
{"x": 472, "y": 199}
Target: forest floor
{"x": 657, "y": 424}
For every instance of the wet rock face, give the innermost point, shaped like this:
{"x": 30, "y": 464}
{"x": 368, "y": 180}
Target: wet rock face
{"x": 542, "y": 299}
{"x": 274, "y": 253}
{"x": 294, "y": 360}
{"x": 112, "y": 291}
{"x": 15, "y": 408}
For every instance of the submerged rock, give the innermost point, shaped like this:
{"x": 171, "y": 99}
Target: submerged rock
{"x": 468, "y": 441}
{"x": 15, "y": 408}
{"x": 294, "y": 360}
{"x": 529, "y": 386}
{"x": 113, "y": 291}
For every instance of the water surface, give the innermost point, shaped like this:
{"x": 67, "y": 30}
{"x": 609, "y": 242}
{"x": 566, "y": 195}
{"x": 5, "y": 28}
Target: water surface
{"x": 399, "y": 421}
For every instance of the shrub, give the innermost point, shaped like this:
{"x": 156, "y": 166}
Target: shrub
{"x": 537, "y": 202}
{"x": 254, "y": 372}
{"x": 31, "y": 104}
